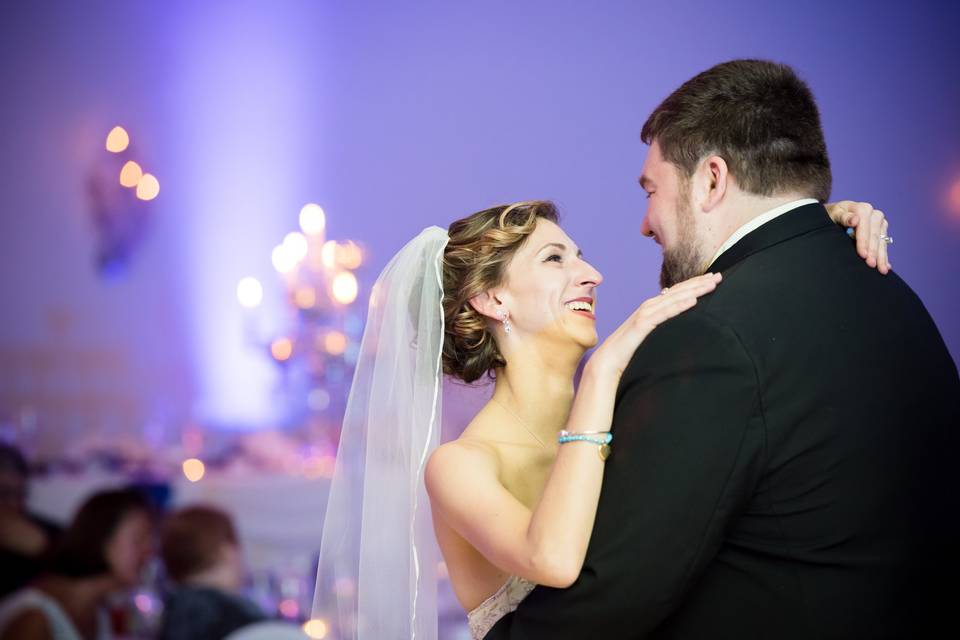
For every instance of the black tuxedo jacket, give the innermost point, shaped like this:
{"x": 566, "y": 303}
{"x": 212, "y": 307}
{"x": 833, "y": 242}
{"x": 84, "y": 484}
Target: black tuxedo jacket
{"x": 784, "y": 462}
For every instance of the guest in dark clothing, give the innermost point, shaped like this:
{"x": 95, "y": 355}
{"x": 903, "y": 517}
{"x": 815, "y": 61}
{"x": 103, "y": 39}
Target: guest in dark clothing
{"x": 202, "y": 556}
{"x": 24, "y": 537}
{"x": 101, "y": 554}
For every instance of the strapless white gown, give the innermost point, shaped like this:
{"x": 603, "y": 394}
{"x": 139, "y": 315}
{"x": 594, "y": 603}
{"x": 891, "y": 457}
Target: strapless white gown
{"x": 505, "y": 600}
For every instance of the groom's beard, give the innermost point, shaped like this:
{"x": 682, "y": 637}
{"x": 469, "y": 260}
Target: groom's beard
{"x": 685, "y": 259}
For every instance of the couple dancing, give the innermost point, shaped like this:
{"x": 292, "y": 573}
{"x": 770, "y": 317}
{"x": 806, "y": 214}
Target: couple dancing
{"x": 762, "y": 451}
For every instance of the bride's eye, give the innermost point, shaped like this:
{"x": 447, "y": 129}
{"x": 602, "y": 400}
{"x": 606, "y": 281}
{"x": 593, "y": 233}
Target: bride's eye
{"x": 556, "y": 257}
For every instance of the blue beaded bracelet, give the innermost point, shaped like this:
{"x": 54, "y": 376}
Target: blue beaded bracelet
{"x": 601, "y": 439}
{"x": 605, "y": 438}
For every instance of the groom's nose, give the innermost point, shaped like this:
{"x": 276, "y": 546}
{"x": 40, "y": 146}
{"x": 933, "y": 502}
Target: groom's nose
{"x": 645, "y": 227}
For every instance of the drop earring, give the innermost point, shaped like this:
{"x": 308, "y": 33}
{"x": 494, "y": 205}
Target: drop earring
{"x": 507, "y": 328}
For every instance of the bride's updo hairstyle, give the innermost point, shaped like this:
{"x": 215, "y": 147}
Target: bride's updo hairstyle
{"x": 475, "y": 260}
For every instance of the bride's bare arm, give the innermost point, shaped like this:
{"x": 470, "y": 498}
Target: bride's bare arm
{"x": 548, "y": 545}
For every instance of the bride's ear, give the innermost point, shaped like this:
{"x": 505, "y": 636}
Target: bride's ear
{"x": 486, "y": 304}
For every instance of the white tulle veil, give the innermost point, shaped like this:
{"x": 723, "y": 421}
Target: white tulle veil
{"x": 378, "y": 557}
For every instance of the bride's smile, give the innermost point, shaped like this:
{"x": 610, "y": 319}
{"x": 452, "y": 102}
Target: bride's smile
{"x": 549, "y": 295}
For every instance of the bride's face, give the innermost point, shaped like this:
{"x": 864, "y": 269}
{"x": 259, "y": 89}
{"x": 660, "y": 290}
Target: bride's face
{"x": 549, "y": 290}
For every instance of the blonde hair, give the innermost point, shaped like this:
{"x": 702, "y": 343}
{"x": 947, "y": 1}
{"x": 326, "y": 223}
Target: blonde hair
{"x": 474, "y": 261}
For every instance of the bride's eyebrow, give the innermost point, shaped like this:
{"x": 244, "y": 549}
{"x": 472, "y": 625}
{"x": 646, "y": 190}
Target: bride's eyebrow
{"x": 560, "y": 246}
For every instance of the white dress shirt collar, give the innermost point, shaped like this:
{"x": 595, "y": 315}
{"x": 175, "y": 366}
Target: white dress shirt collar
{"x": 759, "y": 221}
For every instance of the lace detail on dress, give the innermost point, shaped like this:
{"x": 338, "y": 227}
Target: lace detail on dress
{"x": 505, "y": 600}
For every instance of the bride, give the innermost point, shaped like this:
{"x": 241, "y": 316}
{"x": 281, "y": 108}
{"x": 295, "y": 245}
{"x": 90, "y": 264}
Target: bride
{"x": 510, "y": 504}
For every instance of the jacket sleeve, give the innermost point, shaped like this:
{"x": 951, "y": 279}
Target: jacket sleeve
{"x": 688, "y": 442}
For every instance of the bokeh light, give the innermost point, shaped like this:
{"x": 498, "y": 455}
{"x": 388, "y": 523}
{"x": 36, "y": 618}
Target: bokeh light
{"x": 344, "y": 287}
{"x": 289, "y": 608}
{"x": 335, "y": 343}
{"x": 318, "y": 399}
{"x": 148, "y": 187}
{"x": 955, "y": 198}
{"x": 282, "y": 260}
{"x": 249, "y": 292}
{"x": 130, "y": 174}
{"x": 315, "y": 628}
{"x": 313, "y": 221}
{"x": 143, "y": 602}
{"x": 117, "y": 140}
{"x": 305, "y": 297}
{"x": 328, "y": 254}
{"x": 281, "y": 349}
{"x": 322, "y": 466}
{"x": 296, "y": 246}
{"x": 349, "y": 255}
{"x": 193, "y": 469}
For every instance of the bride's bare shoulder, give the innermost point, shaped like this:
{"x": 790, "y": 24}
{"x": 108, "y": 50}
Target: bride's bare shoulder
{"x": 465, "y": 459}
{"x": 475, "y": 454}
{"x": 457, "y": 474}
{"x": 470, "y": 462}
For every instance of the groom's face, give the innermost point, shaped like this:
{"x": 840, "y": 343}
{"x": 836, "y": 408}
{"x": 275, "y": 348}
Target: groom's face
{"x": 669, "y": 219}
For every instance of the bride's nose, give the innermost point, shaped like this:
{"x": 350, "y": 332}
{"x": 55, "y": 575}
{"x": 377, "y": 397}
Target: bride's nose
{"x": 590, "y": 276}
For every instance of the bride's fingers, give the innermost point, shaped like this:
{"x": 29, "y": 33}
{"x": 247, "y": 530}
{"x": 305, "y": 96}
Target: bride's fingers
{"x": 697, "y": 286}
{"x": 862, "y": 227}
{"x": 883, "y": 258}
{"x": 695, "y": 281}
{"x": 657, "y": 310}
{"x": 672, "y": 299}
{"x": 876, "y": 224}
{"x": 708, "y": 281}
{"x": 664, "y": 312}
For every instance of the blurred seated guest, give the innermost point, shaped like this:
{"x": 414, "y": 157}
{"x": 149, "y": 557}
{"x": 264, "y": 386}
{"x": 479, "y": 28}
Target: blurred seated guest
{"x": 202, "y": 555}
{"x": 102, "y": 552}
{"x": 24, "y": 537}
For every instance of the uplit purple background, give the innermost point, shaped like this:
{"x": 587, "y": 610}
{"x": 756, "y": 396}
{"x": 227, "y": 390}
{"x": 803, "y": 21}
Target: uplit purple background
{"x": 396, "y": 116}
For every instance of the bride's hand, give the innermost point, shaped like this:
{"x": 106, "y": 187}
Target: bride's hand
{"x": 868, "y": 226}
{"x": 612, "y": 357}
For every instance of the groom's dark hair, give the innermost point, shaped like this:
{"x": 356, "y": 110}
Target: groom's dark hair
{"x": 759, "y": 116}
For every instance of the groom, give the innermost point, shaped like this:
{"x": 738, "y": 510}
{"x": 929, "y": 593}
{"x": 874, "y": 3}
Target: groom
{"x": 785, "y": 453}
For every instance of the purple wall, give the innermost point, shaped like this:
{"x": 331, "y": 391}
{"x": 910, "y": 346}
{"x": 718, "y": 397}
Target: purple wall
{"x": 394, "y": 118}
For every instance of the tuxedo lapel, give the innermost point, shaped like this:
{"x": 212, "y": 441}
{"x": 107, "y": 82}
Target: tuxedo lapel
{"x": 790, "y": 225}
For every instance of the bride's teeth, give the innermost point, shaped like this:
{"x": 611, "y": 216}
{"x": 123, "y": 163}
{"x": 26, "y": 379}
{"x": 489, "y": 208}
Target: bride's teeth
{"x": 579, "y": 305}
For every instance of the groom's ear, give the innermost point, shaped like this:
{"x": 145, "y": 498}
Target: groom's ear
{"x": 486, "y": 304}
{"x": 716, "y": 182}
